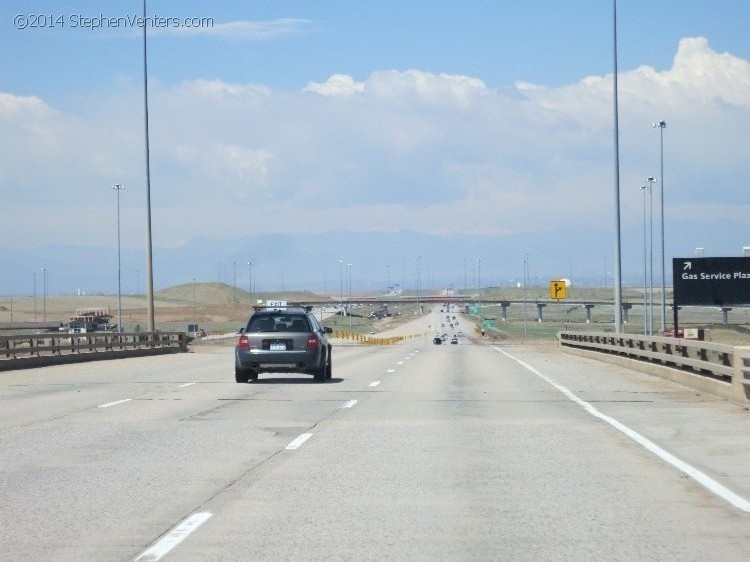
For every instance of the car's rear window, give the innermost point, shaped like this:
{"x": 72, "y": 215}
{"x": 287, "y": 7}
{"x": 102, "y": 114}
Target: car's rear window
{"x": 278, "y": 323}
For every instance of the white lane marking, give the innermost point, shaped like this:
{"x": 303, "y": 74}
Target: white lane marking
{"x": 700, "y": 477}
{"x": 374, "y": 383}
{"x": 174, "y": 537}
{"x": 349, "y": 404}
{"x": 108, "y": 404}
{"x": 187, "y": 384}
{"x": 400, "y": 363}
{"x": 391, "y": 371}
{"x": 298, "y": 441}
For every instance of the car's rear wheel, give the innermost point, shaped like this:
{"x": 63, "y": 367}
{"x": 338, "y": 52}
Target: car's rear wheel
{"x": 320, "y": 372}
{"x": 242, "y": 375}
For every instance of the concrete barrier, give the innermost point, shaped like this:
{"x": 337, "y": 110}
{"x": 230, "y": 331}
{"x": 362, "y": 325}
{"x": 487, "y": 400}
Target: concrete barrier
{"x": 718, "y": 369}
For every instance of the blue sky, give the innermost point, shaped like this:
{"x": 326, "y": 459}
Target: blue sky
{"x": 441, "y": 117}
{"x": 542, "y": 41}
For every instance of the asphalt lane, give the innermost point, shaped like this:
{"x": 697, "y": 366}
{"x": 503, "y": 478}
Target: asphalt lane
{"x": 412, "y": 452}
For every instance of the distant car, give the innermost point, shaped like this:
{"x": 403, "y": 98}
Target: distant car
{"x": 437, "y": 340}
{"x": 283, "y": 340}
{"x": 454, "y": 339}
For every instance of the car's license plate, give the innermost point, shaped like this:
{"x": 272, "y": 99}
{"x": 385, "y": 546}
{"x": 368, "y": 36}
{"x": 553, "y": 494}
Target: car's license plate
{"x": 278, "y": 346}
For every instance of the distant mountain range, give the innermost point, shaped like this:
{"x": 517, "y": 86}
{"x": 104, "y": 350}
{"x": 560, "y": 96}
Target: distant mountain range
{"x": 379, "y": 260}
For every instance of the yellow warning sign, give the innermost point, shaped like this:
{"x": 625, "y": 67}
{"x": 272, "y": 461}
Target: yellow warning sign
{"x": 558, "y": 289}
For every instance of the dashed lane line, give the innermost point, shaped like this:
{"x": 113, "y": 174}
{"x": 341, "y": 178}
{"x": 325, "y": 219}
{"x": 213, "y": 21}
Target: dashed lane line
{"x": 298, "y": 441}
{"x": 115, "y": 403}
{"x": 164, "y": 545}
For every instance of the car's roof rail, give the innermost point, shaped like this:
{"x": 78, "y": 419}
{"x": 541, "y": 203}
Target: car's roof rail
{"x": 306, "y": 307}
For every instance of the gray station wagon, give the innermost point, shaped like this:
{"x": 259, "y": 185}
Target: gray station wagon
{"x": 283, "y": 340}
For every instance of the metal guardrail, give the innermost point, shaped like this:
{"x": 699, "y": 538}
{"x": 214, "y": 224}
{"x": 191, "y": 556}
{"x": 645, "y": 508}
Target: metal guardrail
{"x": 725, "y": 368}
{"x": 60, "y": 344}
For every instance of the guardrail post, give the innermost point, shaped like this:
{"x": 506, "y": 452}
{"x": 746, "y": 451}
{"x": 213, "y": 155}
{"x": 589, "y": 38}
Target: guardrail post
{"x": 725, "y": 314}
{"x": 741, "y": 373}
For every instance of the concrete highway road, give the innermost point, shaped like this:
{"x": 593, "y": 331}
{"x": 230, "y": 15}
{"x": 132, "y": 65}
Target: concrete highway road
{"x": 412, "y": 452}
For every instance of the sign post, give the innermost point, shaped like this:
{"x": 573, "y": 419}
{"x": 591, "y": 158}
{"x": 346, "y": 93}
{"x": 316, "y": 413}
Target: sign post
{"x": 710, "y": 282}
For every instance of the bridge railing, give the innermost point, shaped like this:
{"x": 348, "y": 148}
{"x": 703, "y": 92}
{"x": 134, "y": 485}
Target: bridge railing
{"x": 54, "y": 344}
{"x": 723, "y": 370}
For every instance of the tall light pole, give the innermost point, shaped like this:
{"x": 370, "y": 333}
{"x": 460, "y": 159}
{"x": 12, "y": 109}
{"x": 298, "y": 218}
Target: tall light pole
{"x": 525, "y": 293}
{"x": 194, "y": 327}
{"x": 618, "y": 259}
{"x": 479, "y": 278}
{"x": 234, "y": 282}
{"x": 645, "y": 271}
{"x": 464, "y": 276}
{"x": 44, "y": 293}
{"x": 419, "y": 305}
{"x": 35, "y": 295}
{"x": 118, "y": 188}
{"x": 662, "y": 125}
{"x": 651, "y": 181}
{"x": 149, "y": 256}
{"x": 250, "y": 280}
{"x": 349, "y": 270}
{"x": 341, "y": 286}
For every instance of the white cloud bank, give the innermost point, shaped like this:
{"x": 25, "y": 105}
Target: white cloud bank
{"x": 401, "y": 149}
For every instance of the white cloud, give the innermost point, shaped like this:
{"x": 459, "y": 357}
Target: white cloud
{"x": 336, "y": 85}
{"x": 401, "y": 149}
{"x": 242, "y": 30}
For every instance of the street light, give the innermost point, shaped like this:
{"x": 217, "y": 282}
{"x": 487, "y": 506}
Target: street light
{"x": 118, "y": 188}
{"x": 419, "y": 305}
{"x": 525, "y": 292}
{"x": 250, "y": 280}
{"x": 618, "y": 245}
{"x": 651, "y": 181}
{"x": 341, "y": 286}
{"x": 662, "y": 125}
{"x": 194, "y": 326}
{"x": 479, "y": 277}
{"x": 149, "y": 244}
{"x": 644, "y": 188}
{"x": 349, "y": 270}
{"x": 44, "y": 293}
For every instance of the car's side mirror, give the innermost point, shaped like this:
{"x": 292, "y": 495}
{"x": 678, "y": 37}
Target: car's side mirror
{"x": 242, "y": 330}
{"x": 327, "y": 330}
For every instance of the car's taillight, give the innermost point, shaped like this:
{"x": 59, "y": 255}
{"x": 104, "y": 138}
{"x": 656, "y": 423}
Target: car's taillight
{"x": 244, "y": 343}
{"x": 312, "y": 341}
